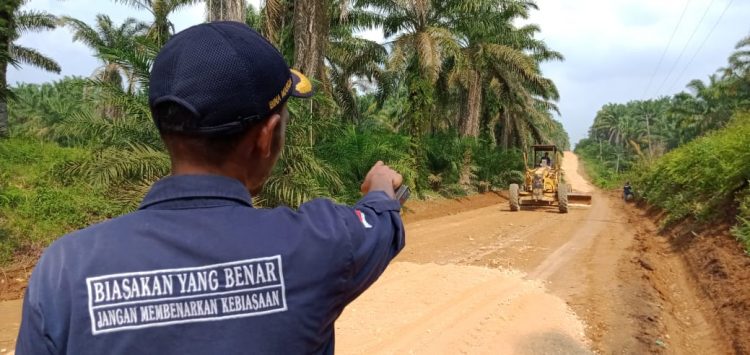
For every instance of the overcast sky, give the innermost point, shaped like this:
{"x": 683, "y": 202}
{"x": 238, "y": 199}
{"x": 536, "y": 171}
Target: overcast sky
{"x": 612, "y": 47}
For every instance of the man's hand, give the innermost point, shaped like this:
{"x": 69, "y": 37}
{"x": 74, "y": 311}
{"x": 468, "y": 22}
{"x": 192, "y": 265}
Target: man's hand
{"x": 382, "y": 178}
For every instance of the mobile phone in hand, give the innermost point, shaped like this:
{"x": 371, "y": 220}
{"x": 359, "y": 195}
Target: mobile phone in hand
{"x": 402, "y": 194}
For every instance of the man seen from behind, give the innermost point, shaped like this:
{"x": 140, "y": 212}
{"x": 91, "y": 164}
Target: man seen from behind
{"x": 196, "y": 269}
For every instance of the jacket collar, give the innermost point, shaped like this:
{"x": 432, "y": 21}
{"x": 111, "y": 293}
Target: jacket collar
{"x": 195, "y": 191}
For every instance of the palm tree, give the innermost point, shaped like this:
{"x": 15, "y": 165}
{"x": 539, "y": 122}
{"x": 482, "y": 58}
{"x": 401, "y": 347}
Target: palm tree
{"x": 739, "y": 61}
{"x": 499, "y": 53}
{"x": 299, "y": 29}
{"x": 664, "y": 126}
{"x": 352, "y": 63}
{"x": 161, "y": 28}
{"x": 607, "y": 123}
{"x": 472, "y": 43}
{"x": 421, "y": 38}
{"x": 711, "y": 107}
{"x": 521, "y": 118}
{"x": 736, "y": 76}
{"x": 418, "y": 32}
{"x": 492, "y": 49}
{"x": 519, "y": 104}
{"x": 127, "y": 55}
{"x": 104, "y": 37}
{"x": 13, "y": 22}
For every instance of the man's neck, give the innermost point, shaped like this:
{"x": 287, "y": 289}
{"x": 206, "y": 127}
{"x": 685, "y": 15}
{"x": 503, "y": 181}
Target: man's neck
{"x": 197, "y": 169}
{"x": 229, "y": 170}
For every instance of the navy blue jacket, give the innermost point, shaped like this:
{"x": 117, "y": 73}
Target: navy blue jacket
{"x": 198, "y": 270}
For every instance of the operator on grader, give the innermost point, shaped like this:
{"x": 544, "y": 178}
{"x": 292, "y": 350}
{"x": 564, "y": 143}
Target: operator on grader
{"x": 546, "y": 159}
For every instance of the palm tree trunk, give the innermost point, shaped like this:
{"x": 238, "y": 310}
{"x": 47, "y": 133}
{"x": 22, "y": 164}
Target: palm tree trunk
{"x": 159, "y": 31}
{"x": 507, "y": 130}
{"x": 617, "y": 166}
{"x": 4, "y": 49}
{"x": 4, "y": 130}
{"x": 492, "y": 127}
{"x": 470, "y": 123}
{"x": 275, "y": 12}
{"x": 311, "y": 27}
{"x": 225, "y": 10}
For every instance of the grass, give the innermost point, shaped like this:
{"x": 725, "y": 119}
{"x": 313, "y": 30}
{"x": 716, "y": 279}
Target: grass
{"x": 599, "y": 173}
{"x": 36, "y": 207}
{"x": 742, "y": 229}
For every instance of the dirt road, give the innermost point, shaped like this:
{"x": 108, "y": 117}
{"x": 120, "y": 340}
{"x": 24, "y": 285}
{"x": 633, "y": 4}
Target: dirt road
{"x": 487, "y": 280}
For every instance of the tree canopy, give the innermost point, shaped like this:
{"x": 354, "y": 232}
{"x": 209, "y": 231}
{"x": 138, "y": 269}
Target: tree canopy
{"x": 450, "y": 98}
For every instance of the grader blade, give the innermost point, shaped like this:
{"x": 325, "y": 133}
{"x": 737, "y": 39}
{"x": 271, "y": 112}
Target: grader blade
{"x": 579, "y": 198}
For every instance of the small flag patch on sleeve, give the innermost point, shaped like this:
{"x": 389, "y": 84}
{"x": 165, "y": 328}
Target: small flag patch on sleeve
{"x": 362, "y": 219}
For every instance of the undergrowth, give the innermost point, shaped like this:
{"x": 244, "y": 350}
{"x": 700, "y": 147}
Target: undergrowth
{"x": 704, "y": 179}
{"x": 35, "y": 206}
{"x": 742, "y": 229}
{"x": 598, "y": 168}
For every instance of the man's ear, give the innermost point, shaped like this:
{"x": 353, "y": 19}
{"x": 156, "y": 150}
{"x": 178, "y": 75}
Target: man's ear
{"x": 266, "y": 135}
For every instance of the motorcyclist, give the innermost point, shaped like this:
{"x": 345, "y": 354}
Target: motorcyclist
{"x": 627, "y": 191}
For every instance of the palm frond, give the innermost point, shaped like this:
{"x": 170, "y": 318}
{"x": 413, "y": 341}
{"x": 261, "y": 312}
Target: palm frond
{"x": 745, "y": 42}
{"x": 137, "y": 4}
{"x": 299, "y": 176}
{"x": 82, "y": 32}
{"x": 113, "y": 167}
{"x": 35, "y": 21}
{"x": 135, "y": 58}
{"x": 32, "y": 57}
{"x": 94, "y": 129}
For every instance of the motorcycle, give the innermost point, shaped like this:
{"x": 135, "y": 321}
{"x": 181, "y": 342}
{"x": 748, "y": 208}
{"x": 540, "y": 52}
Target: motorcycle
{"x": 627, "y": 194}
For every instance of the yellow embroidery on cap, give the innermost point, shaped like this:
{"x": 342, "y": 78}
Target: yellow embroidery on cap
{"x": 276, "y": 100}
{"x": 304, "y": 86}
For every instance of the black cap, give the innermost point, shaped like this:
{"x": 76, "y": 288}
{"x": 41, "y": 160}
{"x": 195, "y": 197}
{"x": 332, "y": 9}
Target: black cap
{"x": 225, "y": 74}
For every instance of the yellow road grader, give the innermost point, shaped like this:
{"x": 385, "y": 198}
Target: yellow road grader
{"x": 543, "y": 184}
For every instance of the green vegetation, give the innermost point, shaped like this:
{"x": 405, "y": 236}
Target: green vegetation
{"x": 687, "y": 154}
{"x": 450, "y": 100}
{"x": 13, "y": 22}
{"x": 702, "y": 179}
{"x": 607, "y": 173}
{"x": 37, "y": 206}
{"x": 742, "y": 229}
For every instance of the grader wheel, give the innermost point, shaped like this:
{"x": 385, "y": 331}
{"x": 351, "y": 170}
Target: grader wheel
{"x": 514, "y": 202}
{"x": 562, "y": 198}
